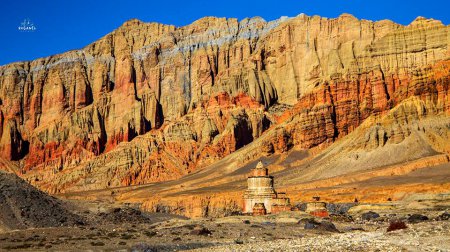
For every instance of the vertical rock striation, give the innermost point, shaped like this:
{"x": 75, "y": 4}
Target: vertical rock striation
{"x": 152, "y": 102}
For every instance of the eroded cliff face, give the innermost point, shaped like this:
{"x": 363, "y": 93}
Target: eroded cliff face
{"x": 152, "y": 102}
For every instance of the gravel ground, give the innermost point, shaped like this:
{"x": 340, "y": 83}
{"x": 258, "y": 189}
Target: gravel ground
{"x": 427, "y": 236}
{"x": 123, "y": 228}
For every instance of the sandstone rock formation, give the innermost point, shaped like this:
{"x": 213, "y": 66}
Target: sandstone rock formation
{"x": 152, "y": 102}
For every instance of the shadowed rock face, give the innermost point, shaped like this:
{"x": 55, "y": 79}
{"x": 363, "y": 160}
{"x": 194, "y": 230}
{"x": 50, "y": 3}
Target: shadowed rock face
{"x": 153, "y": 102}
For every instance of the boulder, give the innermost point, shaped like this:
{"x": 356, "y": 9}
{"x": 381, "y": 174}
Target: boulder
{"x": 199, "y": 230}
{"x": 368, "y": 216}
{"x": 416, "y": 218}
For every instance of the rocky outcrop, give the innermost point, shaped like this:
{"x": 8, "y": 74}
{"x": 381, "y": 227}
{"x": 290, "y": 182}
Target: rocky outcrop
{"x": 203, "y": 205}
{"x": 153, "y": 102}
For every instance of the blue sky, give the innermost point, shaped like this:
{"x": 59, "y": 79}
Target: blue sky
{"x": 67, "y": 25}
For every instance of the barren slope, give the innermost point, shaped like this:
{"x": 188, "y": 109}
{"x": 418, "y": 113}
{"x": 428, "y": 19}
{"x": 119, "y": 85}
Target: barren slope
{"x": 23, "y": 206}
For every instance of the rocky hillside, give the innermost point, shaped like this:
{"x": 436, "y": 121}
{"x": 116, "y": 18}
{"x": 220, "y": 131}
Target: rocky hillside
{"x": 23, "y": 206}
{"x": 152, "y": 102}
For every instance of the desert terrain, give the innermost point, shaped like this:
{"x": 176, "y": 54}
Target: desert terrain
{"x": 144, "y": 139}
{"x": 34, "y": 221}
{"x": 123, "y": 229}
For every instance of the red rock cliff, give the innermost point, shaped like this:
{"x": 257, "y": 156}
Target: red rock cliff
{"x": 153, "y": 102}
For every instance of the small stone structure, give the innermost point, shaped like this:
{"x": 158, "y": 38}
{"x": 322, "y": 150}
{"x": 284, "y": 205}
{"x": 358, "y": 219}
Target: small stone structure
{"x": 317, "y": 208}
{"x": 260, "y": 191}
